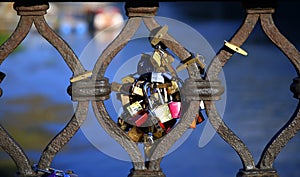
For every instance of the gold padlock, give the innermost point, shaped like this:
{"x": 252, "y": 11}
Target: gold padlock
{"x": 148, "y": 144}
{"x": 235, "y": 48}
{"x": 159, "y": 35}
{"x": 82, "y": 76}
{"x": 116, "y": 87}
{"x": 138, "y": 91}
{"x": 135, "y": 134}
{"x": 190, "y": 61}
{"x": 173, "y": 88}
{"x": 128, "y": 79}
{"x": 124, "y": 99}
{"x": 156, "y": 59}
{"x": 158, "y": 133}
{"x": 123, "y": 124}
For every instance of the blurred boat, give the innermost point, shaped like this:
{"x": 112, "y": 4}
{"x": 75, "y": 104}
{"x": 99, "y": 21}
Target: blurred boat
{"x": 107, "y": 16}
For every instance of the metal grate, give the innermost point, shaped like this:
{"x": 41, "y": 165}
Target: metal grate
{"x": 97, "y": 89}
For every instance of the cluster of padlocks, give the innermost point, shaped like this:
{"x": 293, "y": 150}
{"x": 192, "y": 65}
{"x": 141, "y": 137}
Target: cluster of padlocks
{"x": 51, "y": 172}
{"x": 151, "y": 97}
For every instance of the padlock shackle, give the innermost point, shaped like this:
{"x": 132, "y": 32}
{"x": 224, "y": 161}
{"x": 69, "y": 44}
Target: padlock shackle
{"x": 146, "y": 95}
{"x": 160, "y": 96}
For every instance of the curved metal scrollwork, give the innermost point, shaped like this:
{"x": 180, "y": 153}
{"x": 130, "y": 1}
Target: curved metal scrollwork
{"x": 30, "y": 14}
{"x": 197, "y": 87}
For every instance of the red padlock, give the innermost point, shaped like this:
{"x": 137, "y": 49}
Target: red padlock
{"x": 175, "y": 109}
{"x": 139, "y": 119}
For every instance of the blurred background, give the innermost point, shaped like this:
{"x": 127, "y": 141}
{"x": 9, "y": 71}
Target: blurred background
{"x": 35, "y": 105}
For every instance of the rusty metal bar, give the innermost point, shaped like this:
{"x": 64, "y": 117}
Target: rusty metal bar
{"x": 64, "y": 136}
{"x": 207, "y": 88}
{"x": 16, "y": 37}
{"x": 15, "y": 151}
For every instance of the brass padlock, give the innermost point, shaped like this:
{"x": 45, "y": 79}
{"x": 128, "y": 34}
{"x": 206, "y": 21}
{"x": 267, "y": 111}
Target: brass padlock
{"x": 136, "y": 134}
{"x": 156, "y": 59}
{"x": 158, "y": 36}
{"x": 123, "y": 124}
{"x": 173, "y": 88}
{"x": 158, "y": 133}
{"x": 148, "y": 144}
{"x": 128, "y": 79}
{"x": 189, "y": 61}
{"x": 121, "y": 88}
{"x": 124, "y": 99}
{"x": 138, "y": 91}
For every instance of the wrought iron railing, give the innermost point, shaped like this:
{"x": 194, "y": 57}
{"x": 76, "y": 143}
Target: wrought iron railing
{"x": 97, "y": 89}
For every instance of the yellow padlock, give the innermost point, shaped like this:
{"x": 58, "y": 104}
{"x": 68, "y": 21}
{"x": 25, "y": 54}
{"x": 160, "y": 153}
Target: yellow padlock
{"x": 135, "y": 134}
{"x": 158, "y": 133}
{"x": 190, "y": 61}
{"x": 123, "y": 124}
{"x": 159, "y": 35}
{"x": 81, "y": 76}
{"x": 127, "y": 79}
{"x": 235, "y": 48}
{"x": 138, "y": 91}
{"x": 173, "y": 88}
{"x": 124, "y": 99}
{"x": 156, "y": 59}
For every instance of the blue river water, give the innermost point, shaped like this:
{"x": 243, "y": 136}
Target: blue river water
{"x": 258, "y": 102}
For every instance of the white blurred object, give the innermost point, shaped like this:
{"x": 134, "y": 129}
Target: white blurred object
{"x": 107, "y": 16}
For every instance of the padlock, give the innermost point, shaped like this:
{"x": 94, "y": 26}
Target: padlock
{"x": 175, "y": 109}
{"x": 162, "y": 110}
{"x": 82, "y": 76}
{"x": 148, "y": 144}
{"x": 235, "y": 48}
{"x": 169, "y": 58}
{"x": 156, "y": 59}
{"x": 128, "y": 79}
{"x": 145, "y": 65}
{"x": 123, "y": 124}
{"x": 138, "y": 91}
{"x": 139, "y": 119}
{"x": 135, "y": 134}
{"x": 175, "y": 96}
{"x": 199, "y": 117}
{"x": 158, "y": 133}
{"x": 163, "y": 113}
{"x": 190, "y": 60}
{"x": 51, "y": 172}
{"x": 173, "y": 88}
{"x": 157, "y": 77}
{"x": 121, "y": 88}
{"x": 124, "y": 99}
{"x": 158, "y": 34}
{"x": 134, "y": 108}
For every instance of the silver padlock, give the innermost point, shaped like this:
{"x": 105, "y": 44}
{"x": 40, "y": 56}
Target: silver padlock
{"x": 161, "y": 111}
{"x": 157, "y": 77}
